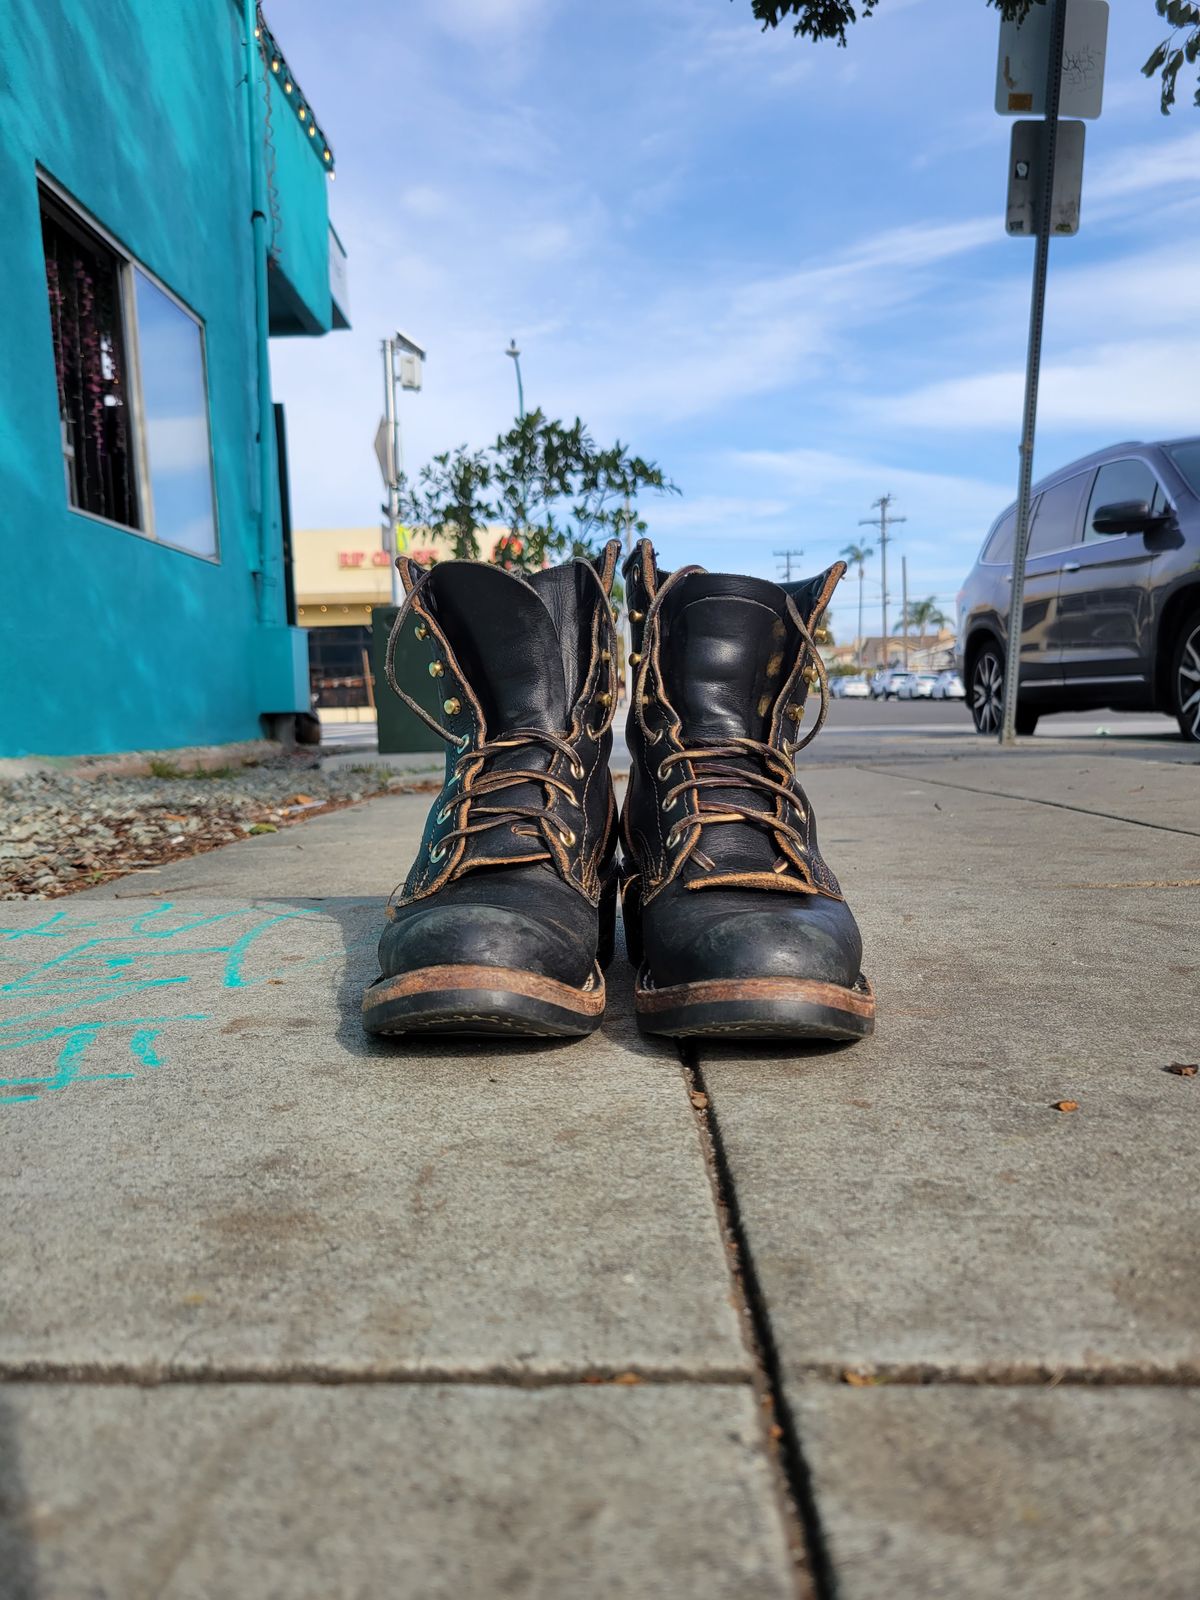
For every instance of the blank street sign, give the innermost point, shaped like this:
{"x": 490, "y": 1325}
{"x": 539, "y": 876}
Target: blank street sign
{"x": 1021, "y": 69}
{"x": 1024, "y": 167}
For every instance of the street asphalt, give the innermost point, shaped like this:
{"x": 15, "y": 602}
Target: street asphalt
{"x": 290, "y": 1312}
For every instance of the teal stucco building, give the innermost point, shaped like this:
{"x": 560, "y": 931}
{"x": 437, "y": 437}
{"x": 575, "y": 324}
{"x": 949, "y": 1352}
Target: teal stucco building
{"x": 164, "y": 184}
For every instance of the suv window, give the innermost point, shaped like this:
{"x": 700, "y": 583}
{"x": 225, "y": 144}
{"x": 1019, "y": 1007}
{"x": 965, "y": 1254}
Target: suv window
{"x": 1057, "y": 521}
{"x": 1000, "y": 545}
{"x": 1187, "y": 458}
{"x": 1122, "y": 480}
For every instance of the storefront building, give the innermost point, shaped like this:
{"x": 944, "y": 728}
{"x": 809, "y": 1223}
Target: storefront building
{"x": 164, "y": 184}
{"x": 340, "y": 576}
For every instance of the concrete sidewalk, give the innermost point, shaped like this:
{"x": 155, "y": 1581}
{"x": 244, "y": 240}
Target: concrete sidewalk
{"x": 288, "y": 1312}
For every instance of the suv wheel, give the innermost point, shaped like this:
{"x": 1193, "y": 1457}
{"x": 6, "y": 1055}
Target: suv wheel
{"x": 1185, "y": 678}
{"x": 986, "y": 694}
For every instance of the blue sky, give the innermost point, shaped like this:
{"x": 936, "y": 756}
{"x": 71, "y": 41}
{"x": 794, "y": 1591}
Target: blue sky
{"x": 779, "y": 269}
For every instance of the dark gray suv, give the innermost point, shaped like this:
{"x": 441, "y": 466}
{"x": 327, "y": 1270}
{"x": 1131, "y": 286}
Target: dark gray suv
{"x": 1112, "y": 592}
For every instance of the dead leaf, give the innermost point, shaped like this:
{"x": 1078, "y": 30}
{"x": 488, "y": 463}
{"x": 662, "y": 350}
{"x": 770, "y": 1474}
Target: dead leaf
{"x": 1066, "y": 1105}
{"x": 301, "y": 800}
{"x": 1183, "y": 1069}
{"x": 174, "y": 816}
{"x": 858, "y": 1380}
{"x": 700, "y": 1101}
{"x": 627, "y": 1378}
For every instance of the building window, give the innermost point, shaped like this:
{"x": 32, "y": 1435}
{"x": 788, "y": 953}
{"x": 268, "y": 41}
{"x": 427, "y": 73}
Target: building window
{"x": 132, "y": 388}
{"x": 339, "y": 666}
{"x": 84, "y": 279}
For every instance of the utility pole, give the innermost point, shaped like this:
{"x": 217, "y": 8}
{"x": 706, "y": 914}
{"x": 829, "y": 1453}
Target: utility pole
{"x": 1033, "y": 364}
{"x": 883, "y": 522}
{"x": 786, "y": 557}
{"x": 904, "y": 596}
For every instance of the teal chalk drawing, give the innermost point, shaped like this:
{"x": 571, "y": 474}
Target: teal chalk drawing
{"x": 68, "y": 981}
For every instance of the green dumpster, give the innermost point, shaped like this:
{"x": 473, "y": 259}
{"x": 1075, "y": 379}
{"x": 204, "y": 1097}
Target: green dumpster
{"x": 400, "y": 732}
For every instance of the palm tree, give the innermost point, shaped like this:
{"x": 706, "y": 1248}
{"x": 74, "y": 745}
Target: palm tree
{"x": 857, "y": 556}
{"x": 923, "y": 614}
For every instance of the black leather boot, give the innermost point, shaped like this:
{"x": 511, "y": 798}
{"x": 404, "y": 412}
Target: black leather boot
{"x": 738, "y": 925}
{"x": 506, "y": 919}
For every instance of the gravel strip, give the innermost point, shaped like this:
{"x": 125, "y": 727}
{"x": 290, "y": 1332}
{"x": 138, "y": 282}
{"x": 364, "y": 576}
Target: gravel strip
{"x": 60, "y": 833}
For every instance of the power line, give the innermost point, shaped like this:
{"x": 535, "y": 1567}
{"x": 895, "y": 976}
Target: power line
{"x": 786, "y": 557}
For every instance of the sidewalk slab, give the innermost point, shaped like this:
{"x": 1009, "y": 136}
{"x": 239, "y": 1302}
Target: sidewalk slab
{"x": 1165, "y": 794}
{"x": 449, "y": 1493}
{"x": 1083, "y": 1494}
{"x": 915, "y": 1200}
{"x": 206, "y": 1166}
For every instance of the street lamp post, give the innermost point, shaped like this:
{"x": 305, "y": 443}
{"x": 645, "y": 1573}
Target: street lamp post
{"x": 516, "y": 357}
{"x": 403, "y": 359}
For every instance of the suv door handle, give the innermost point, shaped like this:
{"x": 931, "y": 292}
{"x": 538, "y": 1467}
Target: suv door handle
{"x": 1070, "y": 566}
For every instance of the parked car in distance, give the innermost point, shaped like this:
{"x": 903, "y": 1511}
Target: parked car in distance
{"x": 916, "y": 686}
{"x": 855, "y": 689}
{"x": 948, "y": 686}
{"x": 883, "y": 684}
{"x": 1111, "y": 618}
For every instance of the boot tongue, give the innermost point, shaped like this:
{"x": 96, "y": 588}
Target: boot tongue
{"x": 514, "y": 652}
{"x": 727, "y": 638}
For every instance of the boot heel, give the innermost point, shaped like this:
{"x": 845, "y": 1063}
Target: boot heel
{"x": 606, "y": 945}
{"x": 631, "y": 915}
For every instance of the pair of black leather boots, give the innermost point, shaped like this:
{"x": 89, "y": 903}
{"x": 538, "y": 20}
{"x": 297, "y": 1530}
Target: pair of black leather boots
{"x": 506, "y": 921}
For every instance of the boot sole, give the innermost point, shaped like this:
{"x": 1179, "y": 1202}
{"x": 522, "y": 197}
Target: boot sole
{"x": 475, "y": 1002}
{"x": 756, "y": 1008}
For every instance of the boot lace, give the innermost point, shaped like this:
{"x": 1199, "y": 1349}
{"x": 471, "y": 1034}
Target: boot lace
{"x": 716, "y": 767}
{"x": 481, "y": 784}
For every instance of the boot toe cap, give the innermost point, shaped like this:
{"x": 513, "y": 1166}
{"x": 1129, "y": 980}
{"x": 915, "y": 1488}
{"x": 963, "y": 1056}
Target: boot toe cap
{"x": 482, "y": 936}
{"x": 810, "y": 937}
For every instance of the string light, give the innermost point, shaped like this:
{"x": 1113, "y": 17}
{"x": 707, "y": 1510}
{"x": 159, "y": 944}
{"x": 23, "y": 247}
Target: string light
{"x": 274, "y": 57}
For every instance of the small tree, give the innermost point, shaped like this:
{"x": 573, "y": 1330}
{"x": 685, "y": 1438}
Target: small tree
{"x": 560, "y": 495}
{"x": 858, "y": 555}
{"x": 448, "y": 499}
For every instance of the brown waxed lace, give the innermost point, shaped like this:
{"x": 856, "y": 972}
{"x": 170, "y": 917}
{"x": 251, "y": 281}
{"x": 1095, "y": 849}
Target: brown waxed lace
{"x": 734, "y": 777}
{"x": 482, "y": 784}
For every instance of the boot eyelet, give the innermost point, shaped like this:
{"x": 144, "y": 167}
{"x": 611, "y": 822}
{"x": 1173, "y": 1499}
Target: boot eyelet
{"x": 444, "y": 814}
{"x": 465, "y": 742}
{"x": 576, "y": 770}
{"x": 438, "y": 851}
{"x": 662, "y": 769}
{"x": 604, "y": 699}
{"x": 673, "y": 838}
{"x": 669, "y": 803}
{"x": 567, "y": 837}
{"x": 637, "y": 616}
{"x": 436, "y": 669}
{"x": 452, "y": 706}
{"x": 421, "y": 631}
{"x": 654, "y": 738}
{"x": 635, "y": 660}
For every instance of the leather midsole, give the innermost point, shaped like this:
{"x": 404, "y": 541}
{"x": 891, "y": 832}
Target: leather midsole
{"x": 435, "y": 980}
{"x": 860, "y": 1002}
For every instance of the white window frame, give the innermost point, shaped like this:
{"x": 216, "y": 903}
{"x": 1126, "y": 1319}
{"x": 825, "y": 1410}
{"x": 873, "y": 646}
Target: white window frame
{"x": 129, "y": 264}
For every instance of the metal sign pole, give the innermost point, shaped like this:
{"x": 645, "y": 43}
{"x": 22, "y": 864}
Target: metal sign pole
{"x": 1033, "y": 362}
{"x": 389, "y": 412}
